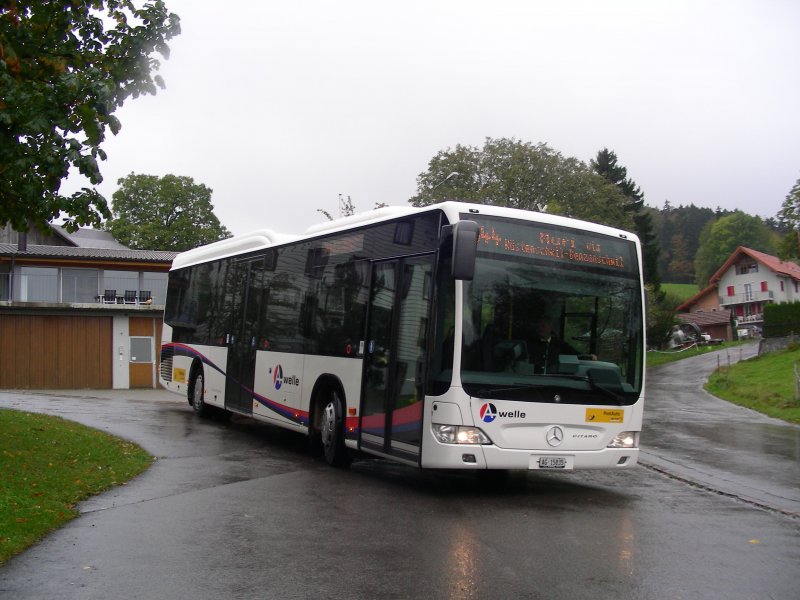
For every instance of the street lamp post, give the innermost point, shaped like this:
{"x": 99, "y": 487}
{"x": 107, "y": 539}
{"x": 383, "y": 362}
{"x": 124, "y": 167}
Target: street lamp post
{"x": 445, "y": 180}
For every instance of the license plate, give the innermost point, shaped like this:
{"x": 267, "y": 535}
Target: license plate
{"x": 551, "y": 462}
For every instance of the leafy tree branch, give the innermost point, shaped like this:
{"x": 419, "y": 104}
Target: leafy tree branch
{"x": 65, "y": 68}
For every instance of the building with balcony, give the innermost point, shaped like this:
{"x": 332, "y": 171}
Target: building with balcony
{"x": 79, "y": 310}
{"x": 743, "y": 285}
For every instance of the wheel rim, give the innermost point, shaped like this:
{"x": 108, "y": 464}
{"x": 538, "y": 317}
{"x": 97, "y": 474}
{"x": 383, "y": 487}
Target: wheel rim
{"x": 328, "y": 432}
{"x": 197, "y": 393}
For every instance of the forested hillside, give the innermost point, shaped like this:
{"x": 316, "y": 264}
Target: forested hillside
{"x": 695, "y": 241}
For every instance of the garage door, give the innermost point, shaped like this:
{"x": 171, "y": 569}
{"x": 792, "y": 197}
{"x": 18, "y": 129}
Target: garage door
{"x": 55, "y": 352}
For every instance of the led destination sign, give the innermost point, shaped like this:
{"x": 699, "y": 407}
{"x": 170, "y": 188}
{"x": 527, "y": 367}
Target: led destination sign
{"x": 555, "y": 243}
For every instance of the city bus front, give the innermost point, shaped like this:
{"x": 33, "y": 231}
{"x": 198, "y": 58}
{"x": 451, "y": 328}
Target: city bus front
{"x": 538, "y": 360}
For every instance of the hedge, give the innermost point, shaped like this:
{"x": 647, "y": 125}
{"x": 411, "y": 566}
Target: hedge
{"x": 781, "y": 319}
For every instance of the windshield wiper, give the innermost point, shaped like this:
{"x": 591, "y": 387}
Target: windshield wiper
{"x": 603, "y": 389}
{"x": 539, "y": 389}
{"x": 514, "y": 388}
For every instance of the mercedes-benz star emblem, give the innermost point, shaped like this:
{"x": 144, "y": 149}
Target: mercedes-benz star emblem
{"x": 555, "y": 435}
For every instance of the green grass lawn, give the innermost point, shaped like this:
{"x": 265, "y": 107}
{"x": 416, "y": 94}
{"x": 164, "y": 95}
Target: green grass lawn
{"x": 765, "y": 383}
{"x": 47, "y": 466}
{"x": 682, "y": 291}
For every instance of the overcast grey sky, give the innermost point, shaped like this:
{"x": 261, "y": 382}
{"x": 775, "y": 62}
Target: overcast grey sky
{"x": 279, "y": 107}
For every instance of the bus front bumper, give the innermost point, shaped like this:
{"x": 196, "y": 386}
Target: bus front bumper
{"x": 455, "y": 456}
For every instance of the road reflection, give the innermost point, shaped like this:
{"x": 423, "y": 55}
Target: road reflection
{"x": 463, "y": 563}
{"x": 626, "y": 541}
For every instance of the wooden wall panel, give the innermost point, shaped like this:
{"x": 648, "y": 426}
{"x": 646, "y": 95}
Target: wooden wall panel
{"x": 140, "y": 326}
{"x": 141, "y": 375}
{"x": 55, "y": 352}
{"x": 66, "y": 358}
{"x": 22, "y": 348}
{"x": 41, "y": 358}
{"x": 8, "y": 355}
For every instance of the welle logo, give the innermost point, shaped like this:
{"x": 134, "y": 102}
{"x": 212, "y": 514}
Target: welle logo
{"x": 278, "y": 380}
{"x": 489, "y": 413}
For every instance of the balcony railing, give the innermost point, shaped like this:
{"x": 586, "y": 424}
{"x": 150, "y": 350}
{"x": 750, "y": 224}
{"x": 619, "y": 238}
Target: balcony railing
{"x": 746, "y": 297}
{"x": 749, "y": 319}
{"x": 53, "y": 289}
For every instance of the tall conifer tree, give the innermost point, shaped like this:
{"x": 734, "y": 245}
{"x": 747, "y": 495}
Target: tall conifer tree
{"x": 606, "y": 166}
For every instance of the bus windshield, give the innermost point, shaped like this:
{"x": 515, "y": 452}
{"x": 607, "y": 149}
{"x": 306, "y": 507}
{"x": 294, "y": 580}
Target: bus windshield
{"x": 552, "y": 315}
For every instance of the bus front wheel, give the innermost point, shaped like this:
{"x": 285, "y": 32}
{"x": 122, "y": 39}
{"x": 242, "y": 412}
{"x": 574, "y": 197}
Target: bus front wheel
{"x": 332, "y": 432}
{"x": 196, "y": 388}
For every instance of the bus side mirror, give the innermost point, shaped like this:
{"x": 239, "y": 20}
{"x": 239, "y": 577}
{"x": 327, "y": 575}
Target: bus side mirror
{"x": 465, "y": 249}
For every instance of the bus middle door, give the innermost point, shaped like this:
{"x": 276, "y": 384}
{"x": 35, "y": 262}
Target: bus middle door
{"x": 246, "y": 282}
{"x": 397, "y": 323}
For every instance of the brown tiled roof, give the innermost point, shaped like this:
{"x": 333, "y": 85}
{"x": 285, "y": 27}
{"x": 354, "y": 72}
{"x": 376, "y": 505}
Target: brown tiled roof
{"x": 774, "y": 263}
{"x": 705, "y": 318}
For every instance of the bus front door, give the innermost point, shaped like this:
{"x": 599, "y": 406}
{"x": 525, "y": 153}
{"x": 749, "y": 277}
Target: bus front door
{"x": 391, "y": 410}
{"x": 246, "y": 280}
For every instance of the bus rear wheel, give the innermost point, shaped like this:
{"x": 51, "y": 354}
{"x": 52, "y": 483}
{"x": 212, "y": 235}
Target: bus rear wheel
{"x": 332, "y": 432}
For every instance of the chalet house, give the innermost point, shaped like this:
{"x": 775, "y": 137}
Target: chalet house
{"x": 79, "y": 310}
{"x": 743, "y": 285}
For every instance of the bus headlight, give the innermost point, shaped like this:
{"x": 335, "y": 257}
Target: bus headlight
{"x": 458, "y": 434}
{"x": 626, "y": 439}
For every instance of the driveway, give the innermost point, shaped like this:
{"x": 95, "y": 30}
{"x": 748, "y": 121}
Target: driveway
{"x": 696, "y": 437}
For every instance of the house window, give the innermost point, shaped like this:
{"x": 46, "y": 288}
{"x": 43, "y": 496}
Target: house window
{"x": 745, "y": 268}
{"x": 141, "y": 349}
{"x": 38, "y": 284}
{"x": 764, "y": 286}
{"x": 5, "y": 284}
{"x": 748, "y": 292}
{"x": 79, "y": 285}
{"x": 120, "y": 281}
{"x": 156, "y": 284}
{"x": 730, "y": 291}
{"x": 765, "y": 289}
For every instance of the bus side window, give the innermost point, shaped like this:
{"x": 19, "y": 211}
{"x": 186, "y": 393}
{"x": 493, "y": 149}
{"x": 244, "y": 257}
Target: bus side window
{"x": 443, "y": 339}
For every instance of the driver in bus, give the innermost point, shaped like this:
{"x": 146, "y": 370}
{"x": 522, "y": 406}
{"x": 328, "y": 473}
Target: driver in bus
{"x": 545, "y": 347}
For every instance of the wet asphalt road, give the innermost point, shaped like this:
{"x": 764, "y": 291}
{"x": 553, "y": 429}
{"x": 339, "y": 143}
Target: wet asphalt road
{"x": 693, "y": 435}
{"x": 242, "y": 510}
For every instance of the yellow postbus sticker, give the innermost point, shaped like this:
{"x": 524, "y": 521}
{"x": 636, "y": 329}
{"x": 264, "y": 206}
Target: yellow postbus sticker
{"x": 179, "y": 375}
{"x": 605, "y": 415}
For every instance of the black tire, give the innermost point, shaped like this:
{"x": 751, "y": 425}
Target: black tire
{"x": 332, "y": 431}
{"x": 197, "y": 393}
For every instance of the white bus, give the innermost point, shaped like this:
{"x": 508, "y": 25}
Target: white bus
{"x": 416, "y": 334}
